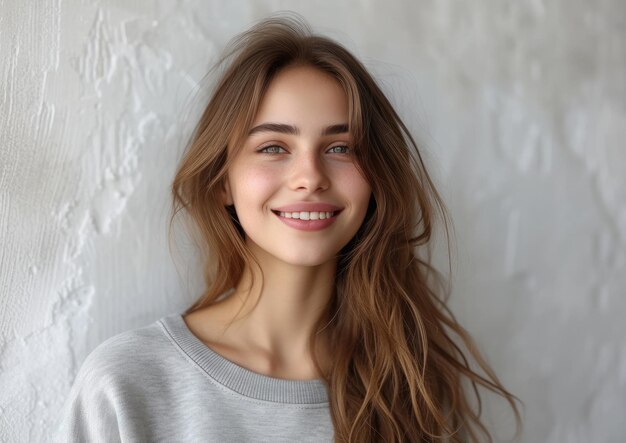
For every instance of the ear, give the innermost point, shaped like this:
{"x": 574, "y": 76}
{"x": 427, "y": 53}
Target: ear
{"x": 227, "y": 197}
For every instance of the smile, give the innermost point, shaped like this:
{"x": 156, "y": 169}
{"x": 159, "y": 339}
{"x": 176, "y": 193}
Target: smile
{"x": 305, "y": 215}
{"x": 308, "y": 221}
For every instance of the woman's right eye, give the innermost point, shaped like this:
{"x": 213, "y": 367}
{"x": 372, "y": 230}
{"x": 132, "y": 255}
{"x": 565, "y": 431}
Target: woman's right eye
{"x": 265, "y": 149}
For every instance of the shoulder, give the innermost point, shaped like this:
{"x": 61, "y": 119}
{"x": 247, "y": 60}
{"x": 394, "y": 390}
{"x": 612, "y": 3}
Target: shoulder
{"x": 126, "y": 357}
{"x": 111, "y": 378}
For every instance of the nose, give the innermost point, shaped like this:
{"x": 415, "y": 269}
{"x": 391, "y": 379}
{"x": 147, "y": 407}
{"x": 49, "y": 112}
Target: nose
{"x": 309, "y": 171}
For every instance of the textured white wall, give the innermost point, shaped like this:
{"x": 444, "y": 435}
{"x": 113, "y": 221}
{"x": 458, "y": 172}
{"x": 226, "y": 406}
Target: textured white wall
{"x": 521, "y": 109}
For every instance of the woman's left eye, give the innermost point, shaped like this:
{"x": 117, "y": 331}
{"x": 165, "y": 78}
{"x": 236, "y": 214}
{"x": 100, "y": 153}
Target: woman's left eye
{"x": 342, "y": 146}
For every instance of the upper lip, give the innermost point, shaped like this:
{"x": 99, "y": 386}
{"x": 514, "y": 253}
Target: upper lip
{"x": 308, "y": 207}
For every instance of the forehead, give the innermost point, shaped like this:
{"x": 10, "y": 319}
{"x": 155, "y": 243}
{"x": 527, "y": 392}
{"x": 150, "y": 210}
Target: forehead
{"x": 303, "y": 94}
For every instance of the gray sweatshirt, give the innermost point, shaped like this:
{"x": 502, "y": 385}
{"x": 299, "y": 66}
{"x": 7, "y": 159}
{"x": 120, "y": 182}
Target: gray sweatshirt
{"x": 161, "y": 383}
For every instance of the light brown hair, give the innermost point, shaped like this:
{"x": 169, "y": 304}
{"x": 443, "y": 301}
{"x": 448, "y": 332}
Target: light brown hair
{"x": 398, "y": 365}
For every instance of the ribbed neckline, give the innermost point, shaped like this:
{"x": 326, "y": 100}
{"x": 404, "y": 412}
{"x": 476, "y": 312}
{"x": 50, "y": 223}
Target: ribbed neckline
{"x": 239, "y": 379}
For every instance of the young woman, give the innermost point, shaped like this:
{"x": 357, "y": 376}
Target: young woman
{"x": 322, "y": 317}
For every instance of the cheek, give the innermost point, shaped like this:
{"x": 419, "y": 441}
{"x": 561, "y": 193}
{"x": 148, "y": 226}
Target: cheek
{"x": 253, "y": 184}
{"x": 358, "y": 187}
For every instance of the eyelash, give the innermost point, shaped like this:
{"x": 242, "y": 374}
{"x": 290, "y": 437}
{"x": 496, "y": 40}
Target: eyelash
{"x": 278, "y": 146}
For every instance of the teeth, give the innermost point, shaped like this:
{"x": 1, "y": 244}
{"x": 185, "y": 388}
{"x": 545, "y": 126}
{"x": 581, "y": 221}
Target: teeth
{"x": 307, "y": 215}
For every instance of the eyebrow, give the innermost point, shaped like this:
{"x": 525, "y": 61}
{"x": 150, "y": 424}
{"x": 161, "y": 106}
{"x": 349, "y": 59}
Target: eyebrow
{"x": 294, "y": 130}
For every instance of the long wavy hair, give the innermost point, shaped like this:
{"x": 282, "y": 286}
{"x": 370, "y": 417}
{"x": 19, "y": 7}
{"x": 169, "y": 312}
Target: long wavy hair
{"x": 400, "y": 363}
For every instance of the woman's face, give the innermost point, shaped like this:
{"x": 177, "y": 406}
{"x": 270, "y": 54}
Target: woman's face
{"x": 304, "y": 156}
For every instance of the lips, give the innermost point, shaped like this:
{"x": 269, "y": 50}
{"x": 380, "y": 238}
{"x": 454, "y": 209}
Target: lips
{"x": 307, "y": 225}
{"x": 336, "y": 211}
{"x": 307, "y": 207}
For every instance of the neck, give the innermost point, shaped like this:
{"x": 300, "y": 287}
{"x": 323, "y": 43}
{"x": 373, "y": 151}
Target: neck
{"x": 276, "y": 316}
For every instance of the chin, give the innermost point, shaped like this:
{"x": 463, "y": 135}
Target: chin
{"x": 309, "y": 260}
{"x": 294, "y": 256}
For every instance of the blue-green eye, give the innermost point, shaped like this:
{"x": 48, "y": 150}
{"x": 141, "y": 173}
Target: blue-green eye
{"x": 264, "y": 150}
{"x": 341, "y": 146}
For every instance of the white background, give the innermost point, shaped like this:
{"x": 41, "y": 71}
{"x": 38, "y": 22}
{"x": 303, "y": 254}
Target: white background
{"x": 520, "y": 109}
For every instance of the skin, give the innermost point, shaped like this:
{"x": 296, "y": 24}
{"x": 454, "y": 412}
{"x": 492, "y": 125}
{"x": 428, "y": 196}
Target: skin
{"x": 299, "y": 267}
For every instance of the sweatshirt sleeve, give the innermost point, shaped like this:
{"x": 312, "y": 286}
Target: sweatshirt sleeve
{"x": 89, "y": 414}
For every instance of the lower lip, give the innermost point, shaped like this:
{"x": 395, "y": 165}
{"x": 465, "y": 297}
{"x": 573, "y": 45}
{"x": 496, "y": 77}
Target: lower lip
{"x": 308, "y": 225}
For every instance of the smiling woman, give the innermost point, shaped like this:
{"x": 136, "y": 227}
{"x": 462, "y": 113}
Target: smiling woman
{"x": 302, "y": 116}
{"x": 321, "y": 319}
